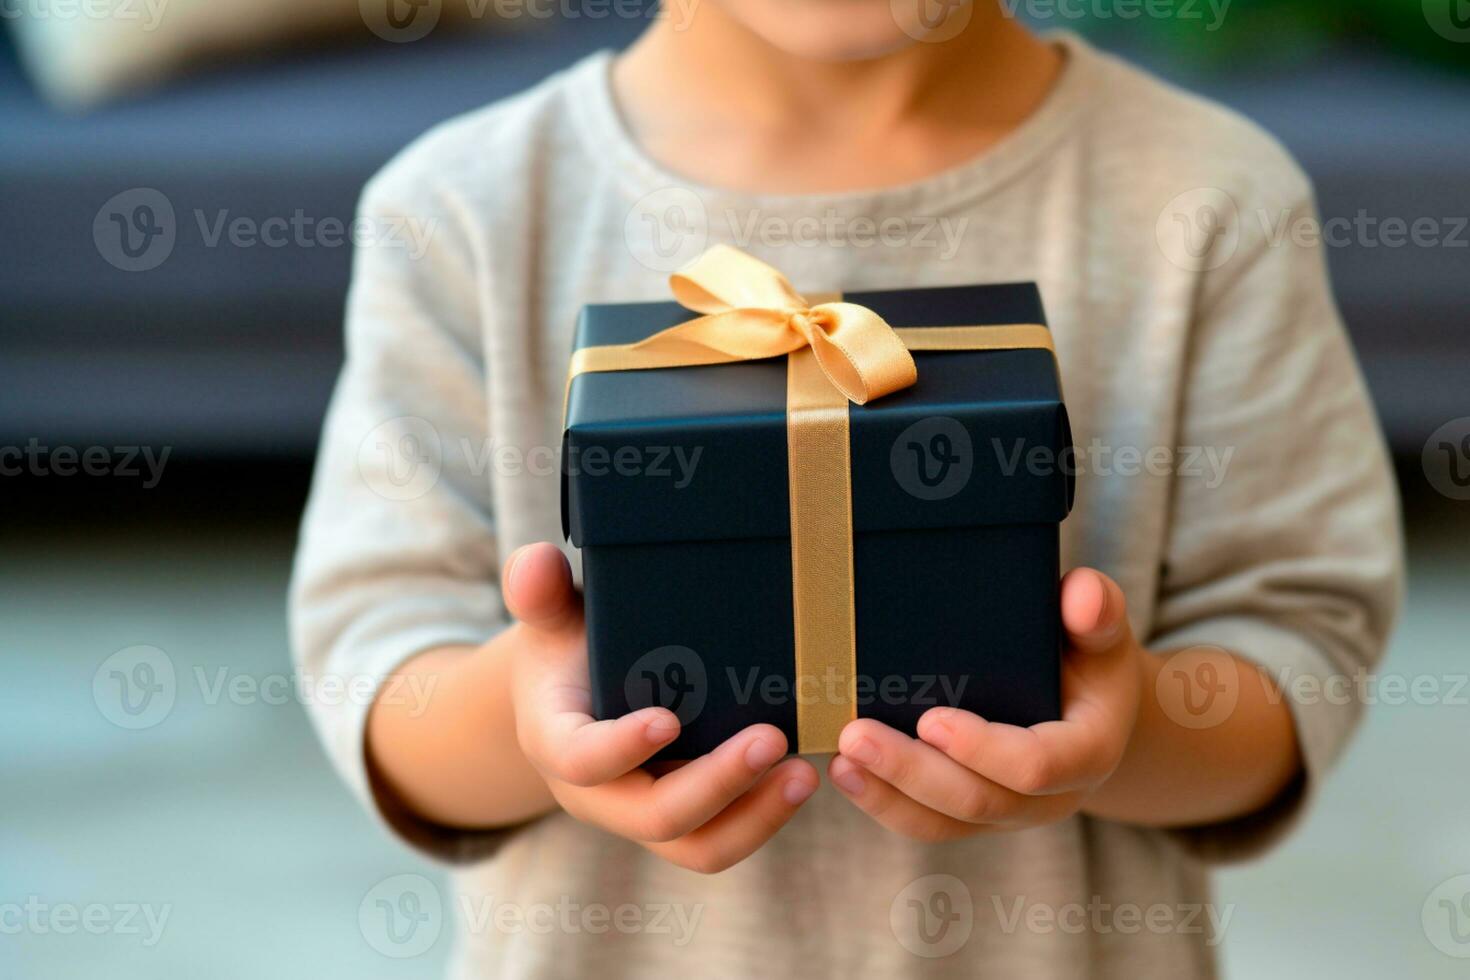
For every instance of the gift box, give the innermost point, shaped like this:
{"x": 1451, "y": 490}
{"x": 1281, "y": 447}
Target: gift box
{"x": 747, "y": 558}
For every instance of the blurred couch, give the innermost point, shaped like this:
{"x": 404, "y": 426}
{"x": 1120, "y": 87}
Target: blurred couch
{"x": 231, "y": 352}
{"x": 218, "y": 350}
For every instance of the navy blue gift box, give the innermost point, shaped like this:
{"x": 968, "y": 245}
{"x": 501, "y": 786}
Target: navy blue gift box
{"x": 675, "y": 488}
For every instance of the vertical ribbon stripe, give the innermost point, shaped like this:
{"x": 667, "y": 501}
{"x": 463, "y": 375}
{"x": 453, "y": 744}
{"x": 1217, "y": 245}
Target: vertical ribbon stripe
{"x": 819, "y": 471}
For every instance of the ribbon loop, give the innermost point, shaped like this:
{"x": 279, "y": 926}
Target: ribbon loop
{"x": 860, "y": 353}
{"x": 725, "y": 279}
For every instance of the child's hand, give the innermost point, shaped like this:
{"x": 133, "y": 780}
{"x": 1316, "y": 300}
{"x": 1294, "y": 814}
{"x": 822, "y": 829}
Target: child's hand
{"x": 706, "y": 815}
{"x": 964, "y": 775}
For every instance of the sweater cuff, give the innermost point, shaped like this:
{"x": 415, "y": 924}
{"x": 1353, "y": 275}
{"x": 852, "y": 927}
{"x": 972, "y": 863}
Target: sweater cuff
{"x": 345, "y": 734}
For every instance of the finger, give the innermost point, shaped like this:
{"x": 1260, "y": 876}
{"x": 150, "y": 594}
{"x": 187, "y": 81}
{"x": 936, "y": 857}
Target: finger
{"x": 555, "y": 726}
{"x": 572, "y": 747}
{"x": 1052, "y": 758}
{"x": 663, "y": 809}
{"x": 1100, "y": 684}
{"x": 742, "y": 827}
{"x": 1094, "y": 612}
{"x": 892, "y": 809}
{"x": 554, "y": 721}
{"x": 1102, "y": 669}
{"x": 539, "y": 590}
{"x": 926, "y": 775}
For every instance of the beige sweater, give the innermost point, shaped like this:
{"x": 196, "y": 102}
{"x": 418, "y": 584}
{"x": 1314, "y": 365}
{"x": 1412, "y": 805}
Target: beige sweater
{"x": 1233, "y": 481}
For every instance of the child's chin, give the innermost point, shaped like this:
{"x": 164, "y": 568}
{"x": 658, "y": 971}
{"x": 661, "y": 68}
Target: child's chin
{"x": 826, "y": 30}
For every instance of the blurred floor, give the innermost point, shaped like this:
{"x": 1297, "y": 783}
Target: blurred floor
{"x": 226, "y": 813}
{"x": 1343, "y": 897}
{"x": 226, "y": 817}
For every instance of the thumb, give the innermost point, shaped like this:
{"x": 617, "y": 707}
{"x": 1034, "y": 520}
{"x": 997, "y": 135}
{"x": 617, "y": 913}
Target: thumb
{"x": 538, "y": 589}
{"x": 1094, "y": 612}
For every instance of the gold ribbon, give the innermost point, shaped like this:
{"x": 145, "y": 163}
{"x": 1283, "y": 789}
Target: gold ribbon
{"x": 838, "y": 353}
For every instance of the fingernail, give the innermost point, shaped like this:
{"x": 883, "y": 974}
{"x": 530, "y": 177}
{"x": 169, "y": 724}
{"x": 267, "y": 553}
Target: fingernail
{"x": 850, "y": 780}
{"x": 797, "y": 791}
{"x": 661, "y": 728}
{"x": 863, "y": 751}
{"x": 938, "y": 734}
{"x": 515, "y": 563}
{"x": 761, "y": 753}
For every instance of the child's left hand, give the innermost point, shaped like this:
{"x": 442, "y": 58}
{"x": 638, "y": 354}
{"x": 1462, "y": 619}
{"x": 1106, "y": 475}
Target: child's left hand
{"x": 964, "y": 775}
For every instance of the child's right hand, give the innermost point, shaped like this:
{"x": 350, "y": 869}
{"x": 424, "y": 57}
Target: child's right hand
{"x": 706, "y": 815}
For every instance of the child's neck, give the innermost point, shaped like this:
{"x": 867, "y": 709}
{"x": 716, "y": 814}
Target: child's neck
{"x": 719, "y": 105}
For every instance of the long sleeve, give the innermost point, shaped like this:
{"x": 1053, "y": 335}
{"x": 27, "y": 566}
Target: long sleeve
{"x": 1294, "y": 560}
{"x": 398, "y": 551}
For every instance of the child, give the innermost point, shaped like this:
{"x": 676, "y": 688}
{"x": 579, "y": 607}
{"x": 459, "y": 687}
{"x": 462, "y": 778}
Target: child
{"x": 1201, "y": 596}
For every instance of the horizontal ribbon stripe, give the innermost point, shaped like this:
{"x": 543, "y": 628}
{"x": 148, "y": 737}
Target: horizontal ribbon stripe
{"x": 674, "y": 351}
{"x": 1005, "y": 336}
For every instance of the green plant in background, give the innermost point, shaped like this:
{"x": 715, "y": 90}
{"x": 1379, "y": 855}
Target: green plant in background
{"x": 1214, "y": 33}
{"x": 1447, "y": 41}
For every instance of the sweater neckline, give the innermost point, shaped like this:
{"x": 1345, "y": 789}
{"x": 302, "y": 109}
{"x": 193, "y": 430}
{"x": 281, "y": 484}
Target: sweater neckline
{"x": 610, "y": 143}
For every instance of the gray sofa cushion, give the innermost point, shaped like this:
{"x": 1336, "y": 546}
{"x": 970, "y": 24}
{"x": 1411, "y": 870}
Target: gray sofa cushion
{"x": 234, "y": 350}
{"x": 218, "y": 347}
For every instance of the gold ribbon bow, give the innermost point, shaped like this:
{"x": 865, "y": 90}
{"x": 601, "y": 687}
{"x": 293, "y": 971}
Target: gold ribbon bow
{"x": 837, "y": 353}
{"x": 752, "y": 312}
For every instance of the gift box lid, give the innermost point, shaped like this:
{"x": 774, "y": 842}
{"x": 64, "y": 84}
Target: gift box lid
{"x": 699, "y": 453}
